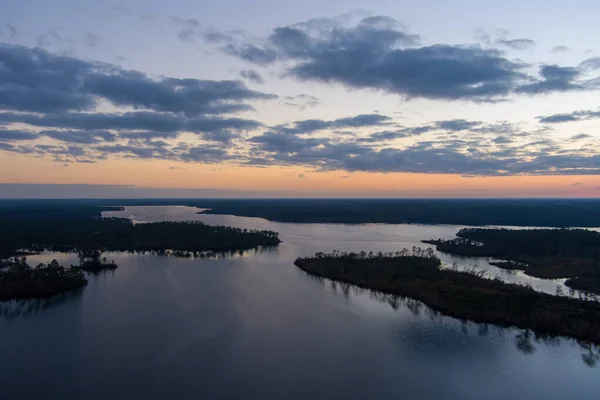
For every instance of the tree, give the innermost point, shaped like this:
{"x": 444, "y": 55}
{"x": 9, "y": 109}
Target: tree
{"x": 89, "y": 256}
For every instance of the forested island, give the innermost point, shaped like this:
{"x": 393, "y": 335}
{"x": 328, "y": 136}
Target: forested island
{"x": 460, "y": 294}
{"x": 544, "y": 253}
{"x": 18, "y": 280}
{"x": 71, "y": 229}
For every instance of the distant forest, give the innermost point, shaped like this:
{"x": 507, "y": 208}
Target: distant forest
{"x": 472, "y": 212}
{"x": 543, "y": 253}
{"x": 70, "y": 227}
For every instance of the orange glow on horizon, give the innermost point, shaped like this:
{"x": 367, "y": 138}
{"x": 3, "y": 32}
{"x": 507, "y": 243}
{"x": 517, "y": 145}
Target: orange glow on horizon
{"x": 165, "y": 174}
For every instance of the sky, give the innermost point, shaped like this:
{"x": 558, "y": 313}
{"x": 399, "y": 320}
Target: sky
{"x": 320, "y": 98}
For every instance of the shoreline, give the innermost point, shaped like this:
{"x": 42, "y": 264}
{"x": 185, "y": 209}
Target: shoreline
{"x": 463, "y": 295}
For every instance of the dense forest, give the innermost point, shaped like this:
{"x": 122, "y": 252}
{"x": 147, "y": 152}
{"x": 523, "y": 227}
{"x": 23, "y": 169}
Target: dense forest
{"x": 478, "y": 212}
{"x": 19, "y": 280}
{"x": 461, "y": 294}
{"x": 472, "y": 212}
{"x": 543, "y": 253}
{"x": 113, "y": 234}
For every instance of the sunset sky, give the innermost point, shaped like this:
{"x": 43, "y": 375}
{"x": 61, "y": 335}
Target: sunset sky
{"x": 320, "y": 98}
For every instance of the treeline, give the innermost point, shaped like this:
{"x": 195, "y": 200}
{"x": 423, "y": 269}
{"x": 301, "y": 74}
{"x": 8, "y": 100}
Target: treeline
{"x": 114, "y": 234}
{"x": 460, "y": 294}
{"x": 19, "y": 280}
{"x": 543, "y": 253}
{"x": 472, "y": 212}
{"x": 363, "y": 255}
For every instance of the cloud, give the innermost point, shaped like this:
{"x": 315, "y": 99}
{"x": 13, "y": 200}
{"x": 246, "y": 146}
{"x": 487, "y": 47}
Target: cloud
{"x": 82, "y": 137}
{"x": 301, "y": 101}
{"x": 457, "y": 124}
{"x": 10, "y": 135}
{"x": 384, "y": 136}
{"x": 379, "y": 54}
{"x": 91, "y": 40}
{"x": 38, "y": 81}
{"x": 12, "y": 31}
{"x": 555, "y": 78}
{"x": 188, "y": 26}
{"x": 559, "y": 49}
{"x": 252, "y": 76}
{"x": 581, "y": 136}
{"x": 590, "y": 64}
{"x": 252, "y": 53}
{"x": 570, "y": 117}
{"x": 186, "y": 35}
{"x": 308, "y": 126}
{"x": 518, "y": 44}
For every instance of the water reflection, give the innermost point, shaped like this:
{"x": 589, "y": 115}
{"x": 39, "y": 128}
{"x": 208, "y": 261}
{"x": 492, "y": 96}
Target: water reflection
{"x": 255, "y": 326}
{"x": 26, "y": 307}
{"x": 525, "y": 340}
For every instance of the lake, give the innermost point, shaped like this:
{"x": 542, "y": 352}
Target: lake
{"x": 255, "y": 326}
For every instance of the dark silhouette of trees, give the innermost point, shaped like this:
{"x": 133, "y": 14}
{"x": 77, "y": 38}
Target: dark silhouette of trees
{"x": 473, "y": 212}
{"x": 19, "y": 280}
{"x": 461, "y": 294}
{"x": 114, "y": 234}
{"x": 543, "y": 253}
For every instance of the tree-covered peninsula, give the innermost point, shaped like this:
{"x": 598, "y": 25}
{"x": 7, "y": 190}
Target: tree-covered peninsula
{"x": 460, "y": 294}
{"x": 18, "y": 280}
{"x": 544, "y": 253}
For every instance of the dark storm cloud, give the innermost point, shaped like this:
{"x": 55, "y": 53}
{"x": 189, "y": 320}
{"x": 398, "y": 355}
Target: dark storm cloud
{"x": 38, "y": 81}
{"x": 569, "y": 117}
{"x": 518, "y": 44}
{"x": 252, "y": 76}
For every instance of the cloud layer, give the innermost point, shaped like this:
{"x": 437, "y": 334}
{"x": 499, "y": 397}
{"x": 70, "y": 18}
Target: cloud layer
{"x": 71, "y": 110}
{"x": 378, "y": 53}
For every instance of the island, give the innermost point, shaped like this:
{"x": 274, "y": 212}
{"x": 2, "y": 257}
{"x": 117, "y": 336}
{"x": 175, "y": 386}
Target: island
{"x": 75, "y": 228}
{"x": 544, "y": 253}
{"x": 460, "y": 294}
{"x": 79, "y": 228}
{"x": 18, "y": 280}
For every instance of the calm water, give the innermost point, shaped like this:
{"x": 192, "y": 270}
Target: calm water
{"x": 256, "y": 327}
